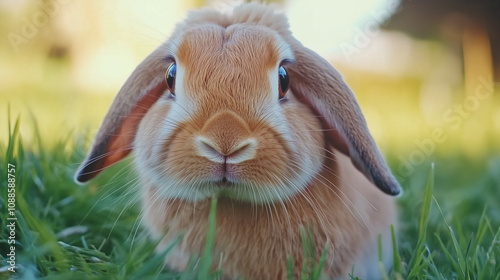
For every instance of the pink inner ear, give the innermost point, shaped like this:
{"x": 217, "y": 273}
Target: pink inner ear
{"x": 120, "y": 144}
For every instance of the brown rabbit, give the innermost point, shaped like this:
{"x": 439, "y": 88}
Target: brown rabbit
{"x": 233, "y": 106}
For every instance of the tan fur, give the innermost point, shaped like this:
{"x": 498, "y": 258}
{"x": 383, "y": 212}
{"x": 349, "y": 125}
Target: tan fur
{"x": 256, "y": 240}
{"x": 275, "y": 165}
{"x": 341, "y": 207}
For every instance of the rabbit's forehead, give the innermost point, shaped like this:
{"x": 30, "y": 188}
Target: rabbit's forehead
{"x": 240, "y": 46}
{"x": 230, "y": 60}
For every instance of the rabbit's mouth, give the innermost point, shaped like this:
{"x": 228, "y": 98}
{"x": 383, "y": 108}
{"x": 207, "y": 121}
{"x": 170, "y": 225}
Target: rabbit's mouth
{"x": 224, "y": 183}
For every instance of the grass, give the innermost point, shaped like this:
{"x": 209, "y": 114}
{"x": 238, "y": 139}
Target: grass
{"x": 66, "y": 231}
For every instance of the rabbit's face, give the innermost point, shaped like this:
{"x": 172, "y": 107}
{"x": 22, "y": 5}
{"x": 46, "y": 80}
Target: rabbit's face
{"x": 226, "y": 127}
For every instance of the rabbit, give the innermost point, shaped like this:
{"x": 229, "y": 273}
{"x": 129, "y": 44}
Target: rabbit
{"x": 233, "y": 106}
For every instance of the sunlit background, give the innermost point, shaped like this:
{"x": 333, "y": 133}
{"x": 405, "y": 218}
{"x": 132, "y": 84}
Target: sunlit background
{"x": 425, "y": 92}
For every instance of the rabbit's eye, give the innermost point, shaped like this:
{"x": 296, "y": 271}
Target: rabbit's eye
{"x": 284, "y": 82}
{"x": 170, "y": 77}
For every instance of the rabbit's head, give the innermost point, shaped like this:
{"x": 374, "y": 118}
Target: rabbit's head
{"x": 233, "y": 105}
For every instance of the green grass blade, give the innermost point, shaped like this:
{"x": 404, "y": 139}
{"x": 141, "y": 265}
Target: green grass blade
{"x": 47, "y": 236}
{"x": 13, "y": 141}
{"x": 481, "y": 232}
{"x": 447, "y": 253}
{"x": 424, "y": 220}
{"x": 190, "y": 272}
{"x": 458, "y": 251}
{"x": 462, "y": 266}
{"x": 289, "y": 268}
{"x": 429, "y": 263}
{"x": 156, "y": 262}
{"x": 317, "y": 271}
{"x": 494, "y": 244}
{"x": 466, "y": 256}
{"x": 312, "y": 252}
{"x": 206, "y": 257}
{"x": 305, "y": 256}
{"x": 8, "y": 120}
{"x": 396, "y": 258}
{"x": 381, "y": 264}
{"x": 85, "y": 252}
{"x": 379, "y": 247}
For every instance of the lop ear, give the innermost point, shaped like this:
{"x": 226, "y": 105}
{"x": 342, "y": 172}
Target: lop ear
{"x": 117, "y": 132}
{"x": 318, "y": 84}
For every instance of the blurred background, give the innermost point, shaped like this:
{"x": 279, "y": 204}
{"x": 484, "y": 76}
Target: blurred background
{"x": 425, "y": 73}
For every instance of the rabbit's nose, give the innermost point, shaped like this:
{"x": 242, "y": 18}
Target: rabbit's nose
{"x": 226, "y": 138}
{"x": 245, "y": 150}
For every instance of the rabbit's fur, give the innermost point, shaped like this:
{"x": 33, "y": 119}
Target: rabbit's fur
{"x": 306, "y": 161}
